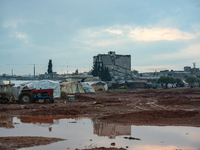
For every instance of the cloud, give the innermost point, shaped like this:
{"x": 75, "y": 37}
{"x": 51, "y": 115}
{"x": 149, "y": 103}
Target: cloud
{"x": 153, "y": 68}
{"x": 12, "y": 23}
{"x": 114, "y": 31}
{"x": 104, "y": 43}
{"x": 190, "y": 52}
{"x": 7, "y": 24}
{"x": 158, "y": 34}
{"x": 20, "y": 35}
{"x": 105, "y": 36}
{"x": 155, "y": 147}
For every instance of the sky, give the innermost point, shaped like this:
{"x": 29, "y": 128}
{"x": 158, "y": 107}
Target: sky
{"x": 158, "y": 34}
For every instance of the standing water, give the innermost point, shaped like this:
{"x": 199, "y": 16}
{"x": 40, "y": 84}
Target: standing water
{"x": 81, "y": 133}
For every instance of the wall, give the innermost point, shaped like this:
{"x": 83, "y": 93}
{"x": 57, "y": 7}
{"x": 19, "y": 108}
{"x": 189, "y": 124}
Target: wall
{"x": 119, "y": 65}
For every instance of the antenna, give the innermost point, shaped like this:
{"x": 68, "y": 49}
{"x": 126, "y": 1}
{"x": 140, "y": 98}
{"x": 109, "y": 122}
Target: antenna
{"x": 34, "y": 70}
{"x": 194, "y": 65}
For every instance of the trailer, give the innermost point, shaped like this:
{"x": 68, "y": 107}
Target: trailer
{"x": 6, "y": 93}
{"x": 26, "y": 95}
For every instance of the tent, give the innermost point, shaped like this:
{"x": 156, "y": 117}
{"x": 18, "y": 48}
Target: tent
{"x": 99, "y": 85}
{"x": 87, "y": 88}
{"x": 43, "y": 84}
{"x": 71, "y": 87}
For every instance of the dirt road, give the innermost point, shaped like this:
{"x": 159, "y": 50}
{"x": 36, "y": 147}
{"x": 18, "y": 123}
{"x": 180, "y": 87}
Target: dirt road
{"x": 177, "y": 107}
{"x": 153, "y": 107}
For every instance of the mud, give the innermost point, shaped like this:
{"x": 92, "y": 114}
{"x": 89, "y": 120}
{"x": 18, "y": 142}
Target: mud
{"x": 12, "y": 143}
{"x": 177, "y": 107}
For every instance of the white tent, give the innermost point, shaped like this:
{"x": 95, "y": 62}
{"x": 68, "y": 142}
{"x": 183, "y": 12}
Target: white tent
{"x": 87, "y": 88}
{"x": 44, "y": 84}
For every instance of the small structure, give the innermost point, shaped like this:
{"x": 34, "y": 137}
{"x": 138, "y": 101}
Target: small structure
{"x": 71, "y": 87}
{"x": 137, "y": 84}
{"x": 87, "y": 88}
{"x": 44, "y": 84}
{"x": 98, "y": 85}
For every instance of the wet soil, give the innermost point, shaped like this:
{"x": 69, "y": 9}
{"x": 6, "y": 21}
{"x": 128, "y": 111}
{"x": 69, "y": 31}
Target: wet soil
{"x": 12, "y": 143}
{"x": 177, "y": 107}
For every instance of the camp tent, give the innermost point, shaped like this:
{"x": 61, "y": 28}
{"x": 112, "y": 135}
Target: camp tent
{"x": 43, "y": 84}
{"x": 71, "y": 87}
{"x": 99, "y": 85}
{"x": 87, "y": 88}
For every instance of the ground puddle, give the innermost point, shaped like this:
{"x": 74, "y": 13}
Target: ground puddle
{"x": 82, "y": 132}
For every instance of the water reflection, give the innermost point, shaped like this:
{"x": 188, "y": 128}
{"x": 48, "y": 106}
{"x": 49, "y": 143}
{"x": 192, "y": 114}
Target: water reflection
{"x": 6, "y": 121}
{"x": 87, "y": 133}
{"x": 111, "y": 130}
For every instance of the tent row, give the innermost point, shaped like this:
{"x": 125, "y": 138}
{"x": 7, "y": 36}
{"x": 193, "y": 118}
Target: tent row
{"x": 71, "y": 87}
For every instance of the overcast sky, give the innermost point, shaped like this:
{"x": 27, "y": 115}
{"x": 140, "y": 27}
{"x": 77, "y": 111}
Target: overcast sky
{"x": 158, "y": 34}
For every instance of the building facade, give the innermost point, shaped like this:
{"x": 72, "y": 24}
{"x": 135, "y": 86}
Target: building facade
{"x": 118, "y": 65}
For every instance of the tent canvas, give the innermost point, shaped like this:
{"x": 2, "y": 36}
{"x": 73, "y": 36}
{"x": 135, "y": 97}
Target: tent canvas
{"x": 44, "y": 84}
{"x": 87, "y": 88}
{"x": 71, "y": 87}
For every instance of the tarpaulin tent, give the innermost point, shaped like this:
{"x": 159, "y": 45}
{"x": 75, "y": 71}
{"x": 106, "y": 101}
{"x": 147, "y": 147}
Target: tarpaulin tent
{"x": 87, "y": 88}
{"x": 44, "y": 84}
{"x": 98, "y": 85}
{"x": 71, "y": 87}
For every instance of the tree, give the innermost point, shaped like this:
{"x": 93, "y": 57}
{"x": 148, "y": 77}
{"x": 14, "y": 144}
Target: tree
{"x": 178, "y": 81}
{"x": 50, "y": 67}
{"x": 96, "y": 69}
{"x": 135, "y": 72}
{"x": 107, "y": 73}
{"x": 101, "y": 71}
{"x": 76, "y": 72}
{"x": 166, "y": 80}
{"x": 191, "y": 80}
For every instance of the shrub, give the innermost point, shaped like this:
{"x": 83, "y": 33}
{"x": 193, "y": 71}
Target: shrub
{"x": 64, "y": 95}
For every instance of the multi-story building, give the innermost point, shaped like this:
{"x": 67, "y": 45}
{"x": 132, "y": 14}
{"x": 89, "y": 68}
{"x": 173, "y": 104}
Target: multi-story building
{"x": 118, "y": 65}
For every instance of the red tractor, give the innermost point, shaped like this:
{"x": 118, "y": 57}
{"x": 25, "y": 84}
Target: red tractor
{"x": 33, "y": 95}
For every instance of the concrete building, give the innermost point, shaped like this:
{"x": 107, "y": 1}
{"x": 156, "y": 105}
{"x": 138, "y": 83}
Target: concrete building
{"x": 119, "y": 65}
{"x": 188, "y": 71}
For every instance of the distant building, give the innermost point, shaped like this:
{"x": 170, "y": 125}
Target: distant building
{"x": 188, "y": 71}
{"x": 119, "y": 65}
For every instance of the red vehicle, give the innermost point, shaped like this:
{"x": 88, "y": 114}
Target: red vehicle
{"x": 33, "y": 95}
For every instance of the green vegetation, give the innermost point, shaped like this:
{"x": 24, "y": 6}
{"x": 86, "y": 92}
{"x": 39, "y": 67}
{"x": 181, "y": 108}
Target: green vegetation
{"x": 64, "y": 95}
{"x": 50, "y": 65}
{"x": 178, "y": 80}
{"x": 101, "y": 71}
{"x": 135, "y": 72}
{"x": 120, "y": 90}
{"x": 191, "y": 80}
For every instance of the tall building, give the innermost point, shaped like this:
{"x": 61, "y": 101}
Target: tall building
{"x": 119, "y": 65}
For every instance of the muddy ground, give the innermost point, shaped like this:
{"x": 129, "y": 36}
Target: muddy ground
{"x": 177, "y": 107}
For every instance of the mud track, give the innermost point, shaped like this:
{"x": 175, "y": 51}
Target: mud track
{"x": 149, "y": 107}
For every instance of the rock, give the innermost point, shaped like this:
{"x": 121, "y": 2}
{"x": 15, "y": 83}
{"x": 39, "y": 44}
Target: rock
{"x": 132, "y": 138}
{"x": 25, "y": 107}
{"x": 112, "y": 144}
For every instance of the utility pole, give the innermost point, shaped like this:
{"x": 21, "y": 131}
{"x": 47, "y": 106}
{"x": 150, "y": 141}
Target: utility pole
{"x": 34, "y": 70}
{"x": 194, "y": 65}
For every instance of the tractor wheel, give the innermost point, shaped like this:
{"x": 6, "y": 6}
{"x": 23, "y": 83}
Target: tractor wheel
{"x": 47, "y": 100}
{"x": 25, "y": 97}
{"x": 4, "y": 101}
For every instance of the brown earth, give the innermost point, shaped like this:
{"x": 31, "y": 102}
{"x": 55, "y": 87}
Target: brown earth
{"x": 11, "y": 143}
{"x": 180, "y": 107}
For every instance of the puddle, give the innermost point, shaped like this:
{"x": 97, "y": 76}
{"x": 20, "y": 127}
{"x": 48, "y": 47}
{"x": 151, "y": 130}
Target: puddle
{"x": 82, "y": 132}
